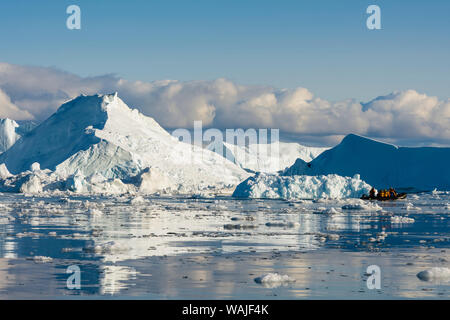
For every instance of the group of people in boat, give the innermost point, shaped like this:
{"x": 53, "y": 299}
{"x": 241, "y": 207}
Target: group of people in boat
{"x": 383, "y": 194}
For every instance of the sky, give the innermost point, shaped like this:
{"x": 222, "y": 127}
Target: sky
{"x": 264, "y": 46}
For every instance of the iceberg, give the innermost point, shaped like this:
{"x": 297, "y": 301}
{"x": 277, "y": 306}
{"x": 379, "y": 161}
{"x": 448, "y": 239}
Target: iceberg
{"x": 97, "y": 143}
{"x": 381, "y": 165}
{"x": 274, "y": 280}
{"x": 268, "y": 158}
{"x": 301, "y": 187}
{"x": 435, "y": 274}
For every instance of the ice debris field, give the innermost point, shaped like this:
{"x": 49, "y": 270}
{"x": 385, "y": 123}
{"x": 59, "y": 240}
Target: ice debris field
{"x": 220, "y": 247}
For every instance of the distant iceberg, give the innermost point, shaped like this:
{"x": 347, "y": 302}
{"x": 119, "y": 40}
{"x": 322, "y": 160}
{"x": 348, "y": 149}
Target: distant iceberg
{"x": 381, "y": 165}
{"x": 261, "y": 157}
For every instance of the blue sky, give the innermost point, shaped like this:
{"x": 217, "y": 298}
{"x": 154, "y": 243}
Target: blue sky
{"x": 322, "y": 45}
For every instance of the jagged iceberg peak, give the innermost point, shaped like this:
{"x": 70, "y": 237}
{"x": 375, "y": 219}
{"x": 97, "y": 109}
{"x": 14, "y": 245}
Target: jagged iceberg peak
{"x": 100, "y": 135}
{"x": 104, "y": 110}
{"x": 103, "y": 102}
{"x": 77, "y": 125}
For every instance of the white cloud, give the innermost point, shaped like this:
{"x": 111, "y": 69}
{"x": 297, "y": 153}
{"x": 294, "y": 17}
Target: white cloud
{"x": 224, "y": 104}
{"x": 10, "y": 110}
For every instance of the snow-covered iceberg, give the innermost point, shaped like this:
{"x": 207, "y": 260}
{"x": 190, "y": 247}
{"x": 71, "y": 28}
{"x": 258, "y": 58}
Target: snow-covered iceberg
{"x": 95, "y": 140}
{"x": 301, "y": 187}
{"x": 381, "y": 165}
{"x": 268, "y": 158}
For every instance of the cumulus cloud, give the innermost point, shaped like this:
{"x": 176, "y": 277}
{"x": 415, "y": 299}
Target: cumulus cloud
{"x": 10, "y": 110}
{"x": 221, "y": 103}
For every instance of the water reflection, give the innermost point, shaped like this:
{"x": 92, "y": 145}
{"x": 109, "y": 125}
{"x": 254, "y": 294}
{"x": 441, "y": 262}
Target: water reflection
{"x": 217, "y": 244}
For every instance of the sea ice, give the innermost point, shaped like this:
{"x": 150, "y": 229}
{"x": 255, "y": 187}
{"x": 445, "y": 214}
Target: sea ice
{"x": 400, "y": 219}
{"x": 42, "y": 259}
{"x": 434, "y": 274}
{"x": 273, "y": 280}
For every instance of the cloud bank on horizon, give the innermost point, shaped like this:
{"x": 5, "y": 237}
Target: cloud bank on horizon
{"x": 28, "y": 92}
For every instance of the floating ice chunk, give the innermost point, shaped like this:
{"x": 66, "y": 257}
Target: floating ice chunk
{"x": 435, "y": 274}
{"x": 381, "y": 236}
{"x": 329, "y": 211}
{"x": 94, "y": 212}
{"x": 273, "y": 280}
{"x": 360, "y": 205}
{"x": 6, "y": 220}
{"x": 410, "y": 207}
{"x": 35, "y": 167}
{"x": 333, "y": 237}
{"x": 109, "y": 247}
{"x": 400, "y": 219}
{"x": 42, "y": 259}
{"x": 137, "y": 200}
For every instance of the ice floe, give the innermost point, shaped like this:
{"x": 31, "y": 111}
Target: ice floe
{"x": 435, "y": 274}
{"x": 273, "y": 280}
{"x": 400, "y": 219}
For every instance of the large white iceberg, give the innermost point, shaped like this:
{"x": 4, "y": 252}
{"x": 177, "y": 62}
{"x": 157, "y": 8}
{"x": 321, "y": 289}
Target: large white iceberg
{"x": 381, "y": 165}
{"x": 301, "y": 187}
{"x": 94, "y": 140}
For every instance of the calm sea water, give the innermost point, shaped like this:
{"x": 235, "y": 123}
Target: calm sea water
{"x": 184, "y": 248}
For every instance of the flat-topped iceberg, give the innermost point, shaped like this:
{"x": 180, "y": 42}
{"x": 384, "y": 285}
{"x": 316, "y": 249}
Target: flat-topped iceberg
{"x": 301, "y": 187}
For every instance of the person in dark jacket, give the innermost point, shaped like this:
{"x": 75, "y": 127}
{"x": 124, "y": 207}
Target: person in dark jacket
{"x": 372, "y": 193}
